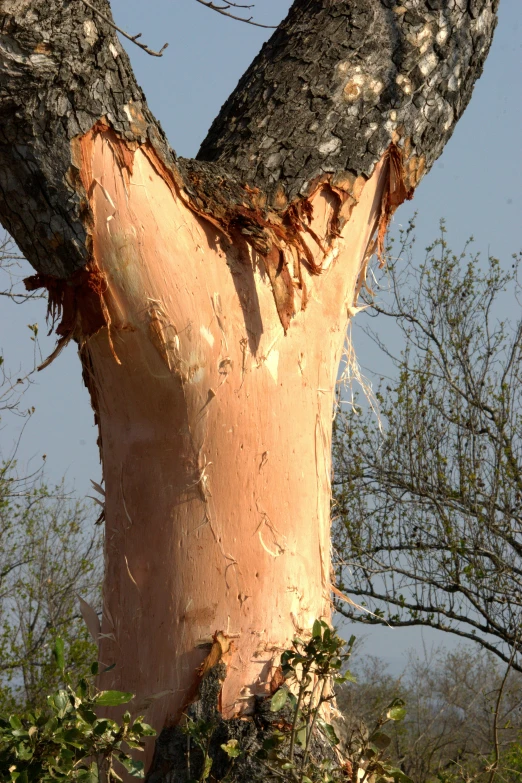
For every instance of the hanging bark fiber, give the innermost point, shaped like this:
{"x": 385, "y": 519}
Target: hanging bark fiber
{"x": 209, "y": 299}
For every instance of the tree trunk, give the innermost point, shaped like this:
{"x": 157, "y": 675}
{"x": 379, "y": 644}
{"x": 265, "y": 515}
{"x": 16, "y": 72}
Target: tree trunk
{"x": 226, "y": 422}
{"x": 210, "y": 301}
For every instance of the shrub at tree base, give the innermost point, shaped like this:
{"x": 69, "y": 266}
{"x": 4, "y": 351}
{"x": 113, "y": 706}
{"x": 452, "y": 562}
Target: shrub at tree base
{"x": 289, "y": 740}
{"x": 67, "y": 741}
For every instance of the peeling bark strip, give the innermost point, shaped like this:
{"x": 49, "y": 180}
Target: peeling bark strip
{"x": 214, "y": 406}
{"x": 77, "y": 303}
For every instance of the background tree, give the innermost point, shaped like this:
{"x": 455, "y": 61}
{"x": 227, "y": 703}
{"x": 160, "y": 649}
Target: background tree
{"x": 210, "y": 300}
{"x": 428, "y": 525}
{"x": 50, "y": 553}
{"x": 463, "y": 714}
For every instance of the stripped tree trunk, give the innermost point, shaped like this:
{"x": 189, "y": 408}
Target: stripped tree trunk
{"x": 210, "y": 300}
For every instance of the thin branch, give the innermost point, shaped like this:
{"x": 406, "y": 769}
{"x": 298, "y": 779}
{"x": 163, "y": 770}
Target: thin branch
{"x": 133, "y": 38}
{"x": 456, "y": 631}
{"x": 496, "y": 752}
{"x": 225, "y": 11}
{"x": 20, "y": 298}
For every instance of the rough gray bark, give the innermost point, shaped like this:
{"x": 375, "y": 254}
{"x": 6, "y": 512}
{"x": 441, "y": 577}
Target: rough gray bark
{"x": 61, "y": 69}
{"x": 339, "y": 81}
{"x": 179, "y": 760}
{"x": 334, "y": 86}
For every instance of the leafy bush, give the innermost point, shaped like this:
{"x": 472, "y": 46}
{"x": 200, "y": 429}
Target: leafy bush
{"x": 311, "y": 668}
{"x": 67, "y": 740}
{"x": 50, "y": 552}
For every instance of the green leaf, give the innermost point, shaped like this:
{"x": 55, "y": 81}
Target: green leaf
{"x": 60, "y": 701}
{"x": 67, "y": 755}
{"x": 329, "y": 731}
{"x": 143, "y": 729}
{"x": 101, "y": 726}
{"x": 58, "y": 653}
{"x": 301, "y": 736}
{"x": 292, "y": 698}
{"x": 396, "y": 713}
{"x": 74, "y": 737}
{"x": 88, "y": 715}
{"x": 24, "y": 753}
{"x": 132, "y": 744}
{"x": 346, "y": 677}
{"x": 207, "y": 768}
{"x": 278, "y": 700}
{"x": 88, "y": 775}
{"x": 232, "y": 748}
{"x": 316, "y": 629}
{"x": 397, "y": 774}
{"x": 135, "y": 768}
{"x": 380, "y": 740}
{"x": 112, "y": 698}
{"x": 20, "y": 733}
{"x": 82, "y": 690}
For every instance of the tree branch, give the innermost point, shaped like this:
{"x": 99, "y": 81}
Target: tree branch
{"x": 224, "y": 10}
{"x": 133, "y": 38}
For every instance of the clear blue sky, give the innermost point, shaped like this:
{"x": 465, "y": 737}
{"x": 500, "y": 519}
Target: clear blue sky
{"x": 475, "y": 185}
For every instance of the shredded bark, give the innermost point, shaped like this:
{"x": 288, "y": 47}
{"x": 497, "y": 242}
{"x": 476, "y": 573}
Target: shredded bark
{"x": 338, "y": 87}
{"x": 395, "y": 193}
{"x": 77, "y": 303}
{"x": 230, "y": 207}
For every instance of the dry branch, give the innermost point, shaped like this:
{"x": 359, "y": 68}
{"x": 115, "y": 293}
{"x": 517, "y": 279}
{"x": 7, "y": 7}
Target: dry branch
{"x": 132, "y": 38}
{"x": 225, "y": 11}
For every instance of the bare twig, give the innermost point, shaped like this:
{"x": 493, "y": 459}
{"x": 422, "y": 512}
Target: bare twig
{"x": 19, "y": 298}
{"x": 225, "y": 11}
{"x": 133, "y": 38}
{"x": 496, "y": 751}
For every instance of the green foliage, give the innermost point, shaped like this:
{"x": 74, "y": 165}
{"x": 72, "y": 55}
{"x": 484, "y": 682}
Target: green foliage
{"x": 310, "y": 668}
{"x": 511, "y": 763}
{"x": 299, "y": 745}
{"x": 66, "y": 740}
{"x": 49, "y": 550}
{"x": 50, "y": 553}
{"x": 200, "y": 732}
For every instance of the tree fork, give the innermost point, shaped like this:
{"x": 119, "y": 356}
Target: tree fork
{"x": 210, "y": 300}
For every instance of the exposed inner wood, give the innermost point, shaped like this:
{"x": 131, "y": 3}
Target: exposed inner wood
{"x": 215, "y": 434}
